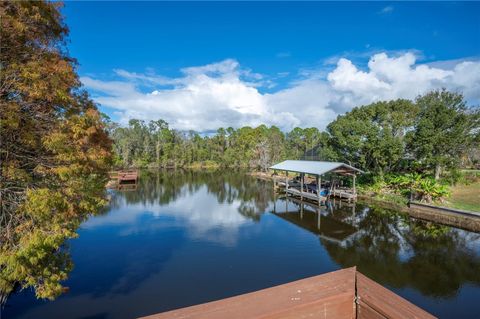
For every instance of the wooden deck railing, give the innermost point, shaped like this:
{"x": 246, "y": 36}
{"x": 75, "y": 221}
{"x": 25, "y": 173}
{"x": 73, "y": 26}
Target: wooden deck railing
{"x": 340, "y": 294}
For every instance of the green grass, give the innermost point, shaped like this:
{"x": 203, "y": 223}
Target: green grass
{"x": 470, "y": 171}
{"x": 466, "y": 197}
{"x": 392, "y": 198}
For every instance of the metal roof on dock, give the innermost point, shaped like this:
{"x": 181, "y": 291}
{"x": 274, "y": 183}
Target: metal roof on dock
{"x": 315, "y": 167}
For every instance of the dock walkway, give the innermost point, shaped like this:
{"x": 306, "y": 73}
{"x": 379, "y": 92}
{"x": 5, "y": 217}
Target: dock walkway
{"x": 311, "y": 196}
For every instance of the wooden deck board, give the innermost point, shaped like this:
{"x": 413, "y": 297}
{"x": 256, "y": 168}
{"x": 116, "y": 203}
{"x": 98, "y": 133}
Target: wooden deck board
{"x": 383, "y": 302}
{"x": 337, "y": 306}
{"x": 330, "y": 295}
{"x": 364, "y": 311}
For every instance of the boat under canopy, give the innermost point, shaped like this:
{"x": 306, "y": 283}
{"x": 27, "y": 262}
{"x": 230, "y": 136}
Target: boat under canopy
{"x": 314, "y": 190}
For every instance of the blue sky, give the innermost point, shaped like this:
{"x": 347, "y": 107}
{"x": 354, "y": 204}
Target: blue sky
{"x": 268, "y": 62}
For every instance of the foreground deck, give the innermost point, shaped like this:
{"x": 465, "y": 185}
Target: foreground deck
{"x": 340, "y": 294}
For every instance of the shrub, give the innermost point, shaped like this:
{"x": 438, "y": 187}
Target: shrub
{"x": 429, "y": 189}
{"x": 412, "y": 185}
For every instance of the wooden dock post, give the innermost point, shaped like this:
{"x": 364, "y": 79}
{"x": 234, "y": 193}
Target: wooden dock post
{"x": 286, "y": 180}
{"x": 301, "y": 186}
{"x": 274, "y": 181}
{"x": 354, "y": 188}
{"x": 319, "y": 189}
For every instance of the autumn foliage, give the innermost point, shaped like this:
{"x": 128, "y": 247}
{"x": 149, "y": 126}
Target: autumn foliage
{"x": 55, "y": 152}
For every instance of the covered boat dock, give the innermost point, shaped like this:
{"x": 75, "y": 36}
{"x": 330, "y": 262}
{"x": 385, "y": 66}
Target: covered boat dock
{"x": 316, "y": 191}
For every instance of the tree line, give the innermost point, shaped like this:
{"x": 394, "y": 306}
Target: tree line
{"x": 144, "y": 144}
{"x": 436, "y": 131}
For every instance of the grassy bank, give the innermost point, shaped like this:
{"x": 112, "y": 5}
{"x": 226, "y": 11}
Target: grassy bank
{"x": 465, "y": 197}
{"x": 385, "y": 197}
{"x": 462, "y": 196}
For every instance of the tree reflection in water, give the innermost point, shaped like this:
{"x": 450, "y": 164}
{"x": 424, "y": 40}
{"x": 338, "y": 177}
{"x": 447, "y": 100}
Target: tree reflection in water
{"x": 387, "y": 246}
{"x": 396, "y": 250}
{"x": 164, "y": 187}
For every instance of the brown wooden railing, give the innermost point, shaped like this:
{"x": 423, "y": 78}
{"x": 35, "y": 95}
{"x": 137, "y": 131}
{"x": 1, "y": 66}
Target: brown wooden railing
{"x": 344, "y": 293}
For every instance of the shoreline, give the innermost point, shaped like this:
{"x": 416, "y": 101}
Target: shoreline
{"x": 466, "y": 220}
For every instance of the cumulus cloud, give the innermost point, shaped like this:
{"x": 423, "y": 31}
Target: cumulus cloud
{"x": 224, "y": 94}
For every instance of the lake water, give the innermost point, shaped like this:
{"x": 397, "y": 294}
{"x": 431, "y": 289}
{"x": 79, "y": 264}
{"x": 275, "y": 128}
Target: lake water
{"x": 183, "y": 238}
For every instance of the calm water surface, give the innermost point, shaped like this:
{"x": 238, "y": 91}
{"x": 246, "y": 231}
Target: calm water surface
{"x": 185, "y": 238}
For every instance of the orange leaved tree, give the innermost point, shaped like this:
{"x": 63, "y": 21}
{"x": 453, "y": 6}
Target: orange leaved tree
{"x": 55, "y": 152}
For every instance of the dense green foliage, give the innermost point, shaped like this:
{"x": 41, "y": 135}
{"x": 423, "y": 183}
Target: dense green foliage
{"x": 444, "y": 130}
{"x": 372, "y": 137}
{"x": 413, "y": 186}
{"x": 155, "y": 144}
{"x": 433, "y": 132}
{"x": 55, "y": 151}
{"x": 404, "y": 144}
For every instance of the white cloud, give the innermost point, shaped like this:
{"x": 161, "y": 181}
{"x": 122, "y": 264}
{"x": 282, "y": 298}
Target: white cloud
{"x": 206, "y": 218}
{"x": 225, "y": 94}
{"x": 225, "y": 67}
{"x": 387, "y": 9}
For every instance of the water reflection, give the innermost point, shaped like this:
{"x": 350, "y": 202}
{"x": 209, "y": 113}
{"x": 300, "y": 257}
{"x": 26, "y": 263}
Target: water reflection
{"x": 213, "y": 206}
{"x": 160, "y": 188}
{"x": 390, "y": 247}
{"x": 327, "y": 225}
{"x": 387, "y": 246}
{"x": 182, "y": 238}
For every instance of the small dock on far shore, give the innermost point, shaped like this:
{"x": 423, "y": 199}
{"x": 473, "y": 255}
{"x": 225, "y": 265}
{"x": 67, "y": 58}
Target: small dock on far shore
{"x": 128, "y": 176}
{"x": 124, "y": 179}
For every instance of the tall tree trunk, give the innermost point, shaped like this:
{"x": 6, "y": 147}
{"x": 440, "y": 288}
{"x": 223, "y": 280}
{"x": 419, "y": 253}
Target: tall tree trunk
{"x": 438, "y": 171}
{"x": 158, "y": 153}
